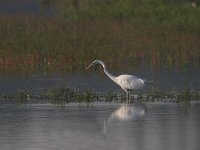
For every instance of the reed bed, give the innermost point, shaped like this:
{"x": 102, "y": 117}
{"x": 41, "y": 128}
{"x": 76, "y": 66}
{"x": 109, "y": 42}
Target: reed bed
{"x": 157, "y": 34}
{"x": 30, "y": 45}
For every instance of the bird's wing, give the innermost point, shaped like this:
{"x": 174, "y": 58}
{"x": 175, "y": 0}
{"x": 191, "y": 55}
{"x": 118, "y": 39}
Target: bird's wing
{"x": 130, "y": 82}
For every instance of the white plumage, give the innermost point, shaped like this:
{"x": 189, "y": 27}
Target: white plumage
{"x": 125, "y": 81}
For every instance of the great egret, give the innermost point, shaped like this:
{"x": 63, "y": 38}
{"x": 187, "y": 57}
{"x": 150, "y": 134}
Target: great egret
{"x": 125, "y": 81}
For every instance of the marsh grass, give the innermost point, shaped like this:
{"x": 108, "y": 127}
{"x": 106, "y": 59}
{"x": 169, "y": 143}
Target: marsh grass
{"x": 157, "y": 34}
{"x": 151, "y": 12}
{"x": 185, "y": 95}
{"x": 86, "y": 96}
{"x": 155, "y": 94}
{"x": 111, "y": 96}
{"x": 61, "y": 47}
{"x": 59, "y": 95}
{"x": 23, "y": 96}
{"x": 62, "y": 95}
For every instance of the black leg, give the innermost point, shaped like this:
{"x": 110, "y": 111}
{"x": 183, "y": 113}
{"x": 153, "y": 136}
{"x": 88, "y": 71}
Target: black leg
{"x": 129, "y": 97}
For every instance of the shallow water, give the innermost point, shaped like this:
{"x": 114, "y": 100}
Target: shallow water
{"x": 100, "y": 126}
{"x": 165, "y": 80}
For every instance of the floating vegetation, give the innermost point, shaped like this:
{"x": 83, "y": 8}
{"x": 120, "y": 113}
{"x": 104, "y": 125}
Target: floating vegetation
{"x": 61, "y": 95}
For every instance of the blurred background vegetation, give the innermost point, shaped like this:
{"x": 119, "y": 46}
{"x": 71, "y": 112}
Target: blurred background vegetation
{"x": 161, "y": 34}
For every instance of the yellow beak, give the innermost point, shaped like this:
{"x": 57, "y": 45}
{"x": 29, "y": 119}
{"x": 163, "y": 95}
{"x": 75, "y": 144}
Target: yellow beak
{"x": 88, "y": 67}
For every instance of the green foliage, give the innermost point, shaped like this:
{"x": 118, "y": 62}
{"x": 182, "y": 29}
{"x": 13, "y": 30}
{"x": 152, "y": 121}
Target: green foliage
{"x": 110, "y": 97}
{"x": 60, "y": 95}
{"x": 155, "y": 94}
{"x": 61, "y": 47}
{"x": 181, "y": 14}
{"x": 185, "y": 95}
{"x": 23, "y": 96}
{"x": 87, "y": 96}
{"x": 160, "y": 33}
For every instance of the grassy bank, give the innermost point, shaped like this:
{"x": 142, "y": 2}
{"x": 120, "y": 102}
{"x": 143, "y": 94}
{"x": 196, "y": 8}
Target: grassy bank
{"x": 122, "y": 33}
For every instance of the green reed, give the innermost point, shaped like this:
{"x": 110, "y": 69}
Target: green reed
{"x": 23, "y": 96}
{"x": 61, "y": 47}
{"x": 160, "y": 34}
{"x": 86, "y": 96}
{"x": 110, "y": 97}
{"x": 160, "y": 12}
{"x": 59, "y": 95}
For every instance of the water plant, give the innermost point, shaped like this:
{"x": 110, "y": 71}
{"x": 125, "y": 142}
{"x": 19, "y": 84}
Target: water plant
{"x": 62, "y": 95}
{"x": 110, "y": 97}
{"x": 86, "y": 96}
{"x": 59, "y": 95}
{"x": 122, "y": 98}
{"x": 23, "y": 96}
{"x": 184, "y": 96}
{"x": 155, "y": 94}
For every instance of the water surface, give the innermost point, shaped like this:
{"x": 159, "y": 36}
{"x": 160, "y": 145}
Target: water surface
{"x": 165, "y": 80}
{"x": 100, "y": 126}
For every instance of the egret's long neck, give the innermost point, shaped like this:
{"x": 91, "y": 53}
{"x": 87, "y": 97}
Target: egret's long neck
{"x": 107, "y": 73}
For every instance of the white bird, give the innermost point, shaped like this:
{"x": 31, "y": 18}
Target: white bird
{"x": 125, "y": 81}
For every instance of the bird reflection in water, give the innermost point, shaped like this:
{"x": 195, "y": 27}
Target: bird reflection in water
{"x": 128, "y": 112}
{"x": 125, "y": 113}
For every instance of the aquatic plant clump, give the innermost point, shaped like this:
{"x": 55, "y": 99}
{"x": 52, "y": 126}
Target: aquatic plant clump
{"x": 60, "y": 95}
